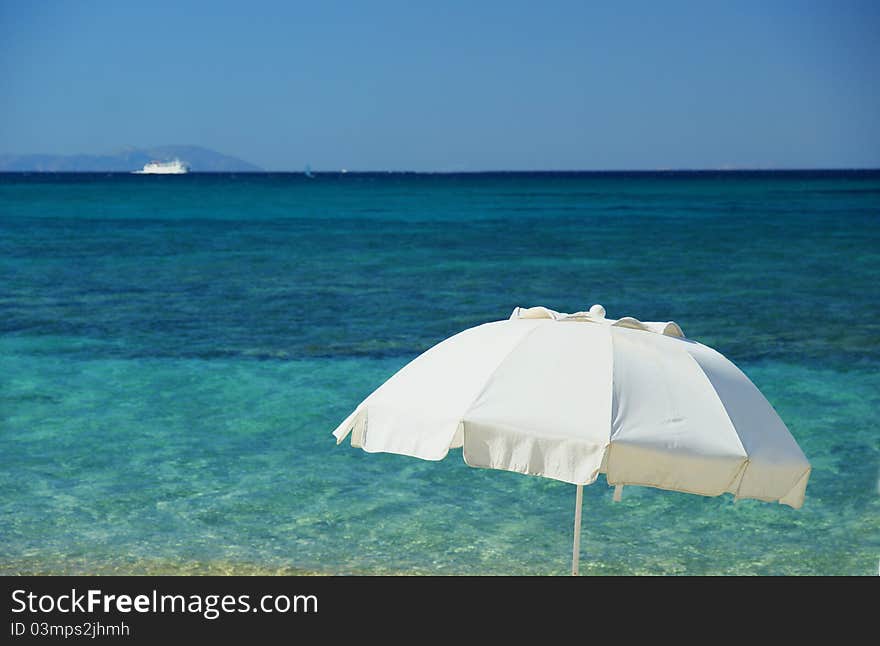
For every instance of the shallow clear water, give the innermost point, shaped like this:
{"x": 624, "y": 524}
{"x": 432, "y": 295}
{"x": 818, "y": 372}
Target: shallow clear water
{"x": 174, "y": 352}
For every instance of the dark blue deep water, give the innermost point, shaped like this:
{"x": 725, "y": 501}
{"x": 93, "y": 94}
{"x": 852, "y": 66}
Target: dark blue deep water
{"x": 175, "y": 351}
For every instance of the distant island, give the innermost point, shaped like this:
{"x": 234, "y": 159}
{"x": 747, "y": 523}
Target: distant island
{"x": 128, "y": 159}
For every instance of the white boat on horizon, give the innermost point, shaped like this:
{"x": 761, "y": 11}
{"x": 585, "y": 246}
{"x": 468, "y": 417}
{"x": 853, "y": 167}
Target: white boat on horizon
{"x": 173, "y": 167}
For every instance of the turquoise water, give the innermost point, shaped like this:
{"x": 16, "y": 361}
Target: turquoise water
{"x": 175, "y": 351}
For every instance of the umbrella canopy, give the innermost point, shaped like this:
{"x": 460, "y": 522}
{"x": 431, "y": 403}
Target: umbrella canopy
{"x": 570, "y": 396}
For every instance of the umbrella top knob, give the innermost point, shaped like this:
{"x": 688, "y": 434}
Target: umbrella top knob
{"x": 597, "y": 311}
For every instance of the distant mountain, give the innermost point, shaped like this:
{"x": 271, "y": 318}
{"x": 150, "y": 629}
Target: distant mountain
{"x": 129, "y": 159}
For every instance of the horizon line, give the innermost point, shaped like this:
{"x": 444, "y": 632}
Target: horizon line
{"x": 313, "y": 171}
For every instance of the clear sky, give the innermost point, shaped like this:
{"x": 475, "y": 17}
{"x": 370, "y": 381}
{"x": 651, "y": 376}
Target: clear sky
{"x": 448, "y": 85}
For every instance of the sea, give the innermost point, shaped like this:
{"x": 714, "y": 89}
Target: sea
{"x": 175, "y": 352}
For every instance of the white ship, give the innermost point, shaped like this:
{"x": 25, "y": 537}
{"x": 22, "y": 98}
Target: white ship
{"x": 173, "y": 167}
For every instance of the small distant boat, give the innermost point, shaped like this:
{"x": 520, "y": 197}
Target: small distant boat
{"x": 308, "y": 171}
{"x": 173, "y": 167}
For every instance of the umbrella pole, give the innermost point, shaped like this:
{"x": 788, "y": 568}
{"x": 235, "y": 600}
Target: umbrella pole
{"x": 576, "y": 550}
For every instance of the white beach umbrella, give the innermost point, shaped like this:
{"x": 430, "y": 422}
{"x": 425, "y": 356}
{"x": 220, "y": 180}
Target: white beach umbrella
{"x": 570, "y": 396}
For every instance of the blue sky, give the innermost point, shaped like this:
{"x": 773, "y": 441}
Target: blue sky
{"x": 449, "y": 85}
